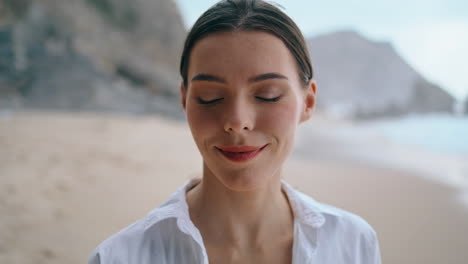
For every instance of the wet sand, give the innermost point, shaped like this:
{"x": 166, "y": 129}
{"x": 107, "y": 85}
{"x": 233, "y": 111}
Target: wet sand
{"x": 68, "y": 181}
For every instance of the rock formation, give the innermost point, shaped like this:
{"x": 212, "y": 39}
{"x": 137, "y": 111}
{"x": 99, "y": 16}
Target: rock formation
{"x": 465, "y": 107}
{"x": 360, "y": 78}
{"x": 103, "y": 55}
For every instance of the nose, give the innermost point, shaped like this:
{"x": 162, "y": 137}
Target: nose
{"x": 238, "y": 118}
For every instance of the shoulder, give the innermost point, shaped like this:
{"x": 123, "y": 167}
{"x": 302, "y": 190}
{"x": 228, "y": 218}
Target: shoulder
{"x": 346, "y": 221}
{"x": 334, "y": 217}
{"x": 161, "y": 234}
{"x": 341, "y": 235}
{"x": 118, "y": 244}
{"x": 138, "y": 239}
{"x": 339, "y": 223}
{"x": 357, "y": 239}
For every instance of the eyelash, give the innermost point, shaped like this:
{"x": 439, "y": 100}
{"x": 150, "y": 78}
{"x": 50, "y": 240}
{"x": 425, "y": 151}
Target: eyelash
{"x": 275, "y": 99}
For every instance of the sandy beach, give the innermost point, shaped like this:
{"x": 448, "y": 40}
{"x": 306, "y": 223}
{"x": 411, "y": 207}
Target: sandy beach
{"x": 68, "y": 181}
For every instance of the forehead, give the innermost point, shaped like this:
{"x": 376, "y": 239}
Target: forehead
{"x": 240, "y": 55}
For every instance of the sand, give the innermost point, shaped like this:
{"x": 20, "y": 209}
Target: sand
{"x": 68, "y": 181}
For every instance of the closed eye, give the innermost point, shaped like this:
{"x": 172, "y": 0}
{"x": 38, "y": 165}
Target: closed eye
{"x": 200, "y": 101}
{"x": 268, "y": 99}
{"x": 275, "y": 99}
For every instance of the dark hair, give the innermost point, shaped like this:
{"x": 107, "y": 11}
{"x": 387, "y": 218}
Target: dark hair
{"x": 249, "y": 15}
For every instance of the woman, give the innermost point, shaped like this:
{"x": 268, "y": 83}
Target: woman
{"x": 247, "y": 85}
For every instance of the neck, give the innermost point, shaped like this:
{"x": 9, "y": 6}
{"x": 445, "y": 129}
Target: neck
{"x": 240, "y": 217}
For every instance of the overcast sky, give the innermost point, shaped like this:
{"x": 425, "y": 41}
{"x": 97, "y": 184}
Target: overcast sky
{"x": 432, "y": 35}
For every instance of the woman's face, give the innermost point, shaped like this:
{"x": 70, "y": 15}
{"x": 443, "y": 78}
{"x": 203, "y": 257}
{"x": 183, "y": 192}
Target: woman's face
{"x": 243, "y": 89}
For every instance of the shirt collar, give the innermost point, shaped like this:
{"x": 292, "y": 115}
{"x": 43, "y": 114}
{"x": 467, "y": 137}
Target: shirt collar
{"x": 176, "y": 207}
{"x": 306, "y": 210}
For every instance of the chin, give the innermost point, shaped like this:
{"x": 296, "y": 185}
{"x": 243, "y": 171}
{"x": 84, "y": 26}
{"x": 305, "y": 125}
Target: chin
{"x": 245, "y": 180}
{"x": 241, "y": 177}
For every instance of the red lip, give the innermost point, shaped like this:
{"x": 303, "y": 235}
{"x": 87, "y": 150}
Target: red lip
{"x": 240, "y": 153}
{"x": 239, "y": 148}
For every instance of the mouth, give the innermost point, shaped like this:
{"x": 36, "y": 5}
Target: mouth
{"x": 240, "y": 153}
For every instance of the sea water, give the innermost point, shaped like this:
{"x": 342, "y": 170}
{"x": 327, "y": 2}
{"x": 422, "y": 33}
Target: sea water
{"x": 436, "y": 132}
{"x": 432, "y": 146}
{"x": 446, "y": 135}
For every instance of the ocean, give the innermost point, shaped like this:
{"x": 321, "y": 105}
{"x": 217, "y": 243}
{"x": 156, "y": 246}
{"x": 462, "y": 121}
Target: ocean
{"x": 444, "y": 137}
{"x": 436, "y": 132}
{"x": 432, "y": 146}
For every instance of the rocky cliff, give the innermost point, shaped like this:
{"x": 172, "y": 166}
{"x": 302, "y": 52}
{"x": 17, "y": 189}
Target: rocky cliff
{"x": 104, "y": 55}
{"x": 364, "y": 79}
{"x": 465, "y": 107}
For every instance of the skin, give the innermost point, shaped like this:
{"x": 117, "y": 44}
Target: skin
{"x": 239, "y": 208}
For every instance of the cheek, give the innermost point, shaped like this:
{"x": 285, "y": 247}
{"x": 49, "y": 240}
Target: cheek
{"x": 201, "y": 123}
{"x": 282, "y": 118}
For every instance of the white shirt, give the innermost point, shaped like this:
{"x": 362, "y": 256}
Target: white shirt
{"x": 322, "y": 234}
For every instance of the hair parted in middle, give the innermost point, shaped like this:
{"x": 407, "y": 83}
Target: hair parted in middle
{"x": 249, "y": 15}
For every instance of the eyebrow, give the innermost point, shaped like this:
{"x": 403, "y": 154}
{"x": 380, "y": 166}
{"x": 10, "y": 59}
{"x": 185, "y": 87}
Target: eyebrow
{"x": 267, "y": 76}
{"x": 258, "y": 78}
{"x": 208, "y": 78}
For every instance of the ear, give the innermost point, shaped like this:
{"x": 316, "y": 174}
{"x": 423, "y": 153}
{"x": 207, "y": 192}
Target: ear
{"x": 183, "y": 95}
{"x": 309, "y": 101}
